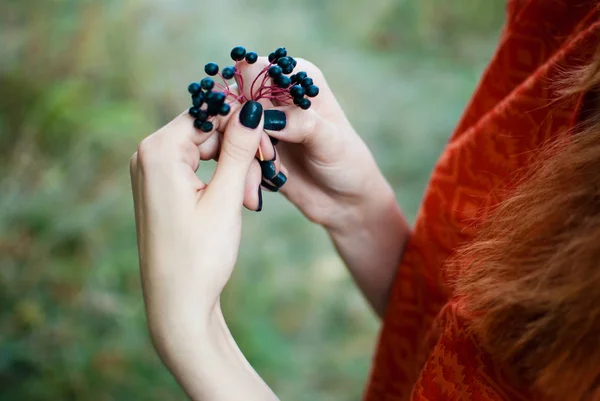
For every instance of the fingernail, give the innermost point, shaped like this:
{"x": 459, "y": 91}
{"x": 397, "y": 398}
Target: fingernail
{"x": 274, "y": 154}
{"x": 268, "y": 169}
{"x": 259, "y": 199}
{"x": 269, "y": 186}
{"x": 251, "y": 114}
{"x": 279, "y": 180}
{"x": 274, "y": 141}
{"x": 275, "y": 120}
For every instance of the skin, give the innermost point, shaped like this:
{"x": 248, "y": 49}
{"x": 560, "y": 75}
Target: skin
{"x": 189, "y": 231}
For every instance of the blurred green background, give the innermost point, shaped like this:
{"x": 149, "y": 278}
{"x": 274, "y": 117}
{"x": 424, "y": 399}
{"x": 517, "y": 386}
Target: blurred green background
{"x": 82, "y": 82}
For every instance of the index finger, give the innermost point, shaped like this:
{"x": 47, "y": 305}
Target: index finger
{"x": 182, "y": 127}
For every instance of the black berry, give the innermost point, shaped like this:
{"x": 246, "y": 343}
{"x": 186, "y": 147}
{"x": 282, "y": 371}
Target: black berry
{"x": 224, "y": 110}
{"x": 206, "y": 126}
{"x": 306, "y": 82}
{"x": 288, "y": 69}
{"x": 284, "y": 62}
{"x": 198, "y": 100}
{"x": 304, "y": 104}
{"x": 297, "y": 91}
{"x": 198, "y": 123}
{"x": 194, "y": 88}
{"x": 294, "y": 62}
{"x": 218, "y": 98}
{"x": 213, "y": 109}
{"x": 312, "y": 90}
{"x": 251, "y": 57}
{"x": 207, "y": 84}
{"x": 202, "y": 115}
{"x": 300, "y": 76}
{"x": 275, "y": 71}
{"x": 298, "y": 100}
{"x": 228, "y": 72}
{"x": 211, "y": 69}
{"x": 281, "y": 52}
{"x": 283, "y": 81}
{"x": 272, "y": 58}
{"x": 193, "y": 111}
{"x": 238, "y": 53}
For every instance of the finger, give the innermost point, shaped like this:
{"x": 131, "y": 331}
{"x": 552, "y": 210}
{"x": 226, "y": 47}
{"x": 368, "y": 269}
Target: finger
{"x": 250, "y": 85}
{"x": 325, "y": 96}
{"x": 238, "y": 148}
{"x": 252, "y": 192}
{"x": 209, "y": 150}
{"x": 266, "y": 147}
{"x": 279, "y": 181}
{"x": 295, "y": 125}
{"x": 270, "y": 165}
{"x": 182, "y": 127}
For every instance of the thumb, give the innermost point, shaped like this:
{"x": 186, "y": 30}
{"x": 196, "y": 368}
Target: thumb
{"x": 238, "y": 148}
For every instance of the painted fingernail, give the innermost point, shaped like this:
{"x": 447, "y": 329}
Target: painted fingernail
{"x": 269, "y": 186}
{"x": 279, "y": 180}
{"x": 274, "y": 154}
{"x": 251, "y": 114}
{"x": 268, "y": 169}
{"x": 275, "y": 120}
{"x": 274, "y": 141}
{"x": 259, "y": 199}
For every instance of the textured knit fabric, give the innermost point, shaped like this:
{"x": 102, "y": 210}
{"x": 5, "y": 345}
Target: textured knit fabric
{"x": 424, "y": 351}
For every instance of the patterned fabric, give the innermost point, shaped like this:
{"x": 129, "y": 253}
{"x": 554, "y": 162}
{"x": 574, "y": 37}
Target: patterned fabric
{"x": 424, "y": 351}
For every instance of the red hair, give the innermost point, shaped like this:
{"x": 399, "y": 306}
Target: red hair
{"x": 531, "y": 279}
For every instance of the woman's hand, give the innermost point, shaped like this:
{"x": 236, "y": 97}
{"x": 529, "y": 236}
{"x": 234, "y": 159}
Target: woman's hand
{"x": 334, "y": 181}
{"x": 332, "y": 172}
{"x": 188, "y": 239}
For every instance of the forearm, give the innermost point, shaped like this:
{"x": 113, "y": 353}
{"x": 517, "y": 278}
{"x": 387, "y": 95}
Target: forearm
{"x": 207, "y": 362}
{"x": 371, "y": 243}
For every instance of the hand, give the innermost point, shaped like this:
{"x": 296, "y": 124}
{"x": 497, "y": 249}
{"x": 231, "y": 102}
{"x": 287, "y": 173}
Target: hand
{"x": 188, "y": 231}
{"x": 335, "y": 182}
{"x": 332, "y": 174}
{"x": 188, "y": 239}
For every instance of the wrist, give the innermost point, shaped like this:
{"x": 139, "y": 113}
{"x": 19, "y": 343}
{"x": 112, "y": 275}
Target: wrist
{"x": 377, "y": 201}
{"x": 371, "y": 240}
{"x": 174, "y": 334}
{"x": 204, "y": 358}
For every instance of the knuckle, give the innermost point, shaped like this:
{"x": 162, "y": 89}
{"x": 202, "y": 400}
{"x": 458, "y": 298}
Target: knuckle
{"x": 146, "y": 151}
{"x": 309, "y": 125}
{"x": 234, "y": 149}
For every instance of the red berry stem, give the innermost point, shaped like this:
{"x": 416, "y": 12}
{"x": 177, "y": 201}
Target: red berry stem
{"x": 240, "y": 80}
{"x": 264, "y": 73}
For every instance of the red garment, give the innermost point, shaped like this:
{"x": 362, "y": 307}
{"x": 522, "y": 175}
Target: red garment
{"x": 424, "y": 351}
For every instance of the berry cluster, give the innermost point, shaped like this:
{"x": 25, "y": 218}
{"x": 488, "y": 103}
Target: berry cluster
{"x": 273, "y": 82}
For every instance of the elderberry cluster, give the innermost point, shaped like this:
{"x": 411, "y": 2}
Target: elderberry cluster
{"x": 203, "y": 94}
{"x": 299, "y": 84}
{"x": 273, "y": 82}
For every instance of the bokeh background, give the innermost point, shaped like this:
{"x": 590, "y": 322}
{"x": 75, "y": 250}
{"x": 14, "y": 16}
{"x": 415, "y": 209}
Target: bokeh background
{"x": 82, "y": 82}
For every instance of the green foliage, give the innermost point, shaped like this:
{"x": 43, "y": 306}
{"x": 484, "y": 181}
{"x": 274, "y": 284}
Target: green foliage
{"x": 83, "y": 81}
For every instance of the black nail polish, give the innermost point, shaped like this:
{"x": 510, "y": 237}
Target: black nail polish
{"x": 275, "y": 120}
{"x": 259, "y": 199}
{"x": 268, "y": 169}
{"x": 269, "y": 186}
{"x": 274, "y": 154}
{"x": 279, "y": 180}
{"x": 274, "y": 141}
{"x": 251, "y": 114}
